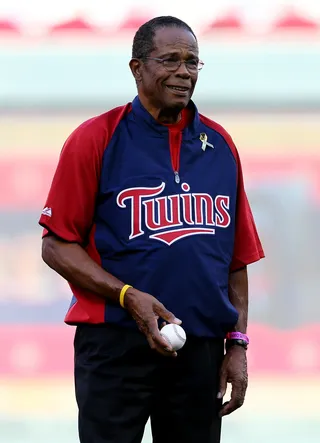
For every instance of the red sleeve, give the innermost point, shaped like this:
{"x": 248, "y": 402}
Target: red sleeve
{"x": 70, "y": 205}
{"x": 247, "y": 245}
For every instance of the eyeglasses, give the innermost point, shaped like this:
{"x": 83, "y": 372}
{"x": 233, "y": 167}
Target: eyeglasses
{"x": 173, "y": 65}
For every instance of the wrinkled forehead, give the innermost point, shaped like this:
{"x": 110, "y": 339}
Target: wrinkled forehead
{"x": 171, "y": 40}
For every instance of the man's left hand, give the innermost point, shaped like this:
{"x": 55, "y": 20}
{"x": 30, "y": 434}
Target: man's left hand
{"x": 234, "y": 371}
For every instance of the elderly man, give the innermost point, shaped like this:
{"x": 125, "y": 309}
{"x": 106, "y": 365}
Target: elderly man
{"x": 148, "y": 220}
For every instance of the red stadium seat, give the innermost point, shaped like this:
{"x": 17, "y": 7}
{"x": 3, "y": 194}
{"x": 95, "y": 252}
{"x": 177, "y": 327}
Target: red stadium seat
{"x": 8, "y": 26}
{"x": 73, "y": 25}
{"x": 227, "y": 22}
{"x": 133, "y": 21}
{"x": 294, "y": 21}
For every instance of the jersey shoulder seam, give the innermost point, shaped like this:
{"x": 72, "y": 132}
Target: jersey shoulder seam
{"x": 222, "y": 132}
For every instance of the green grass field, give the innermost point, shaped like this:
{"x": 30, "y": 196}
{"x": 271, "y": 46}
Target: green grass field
{"x": 277, "y": 410}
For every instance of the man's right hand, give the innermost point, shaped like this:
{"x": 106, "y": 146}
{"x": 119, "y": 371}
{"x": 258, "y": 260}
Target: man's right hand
{"x": 146, "y": 310}
{"x": 73, "y": 263}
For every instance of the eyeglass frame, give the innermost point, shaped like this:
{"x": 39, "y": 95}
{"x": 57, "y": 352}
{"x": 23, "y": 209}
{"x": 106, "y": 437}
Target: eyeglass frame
{"x": 162, "y": 60}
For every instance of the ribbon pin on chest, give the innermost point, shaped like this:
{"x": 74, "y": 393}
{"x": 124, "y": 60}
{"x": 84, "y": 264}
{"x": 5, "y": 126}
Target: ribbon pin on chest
{"x": 204, "y": 138}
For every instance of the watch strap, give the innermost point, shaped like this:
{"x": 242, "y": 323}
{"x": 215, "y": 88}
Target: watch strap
{"x": 234, "y": 342}
{"x": 237, "y": 336}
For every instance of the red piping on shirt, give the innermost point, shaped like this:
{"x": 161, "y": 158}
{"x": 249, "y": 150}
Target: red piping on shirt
{"x": 175, "y": 138}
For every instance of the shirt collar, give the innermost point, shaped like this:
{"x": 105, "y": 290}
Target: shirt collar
{"x": 142, "y": 115}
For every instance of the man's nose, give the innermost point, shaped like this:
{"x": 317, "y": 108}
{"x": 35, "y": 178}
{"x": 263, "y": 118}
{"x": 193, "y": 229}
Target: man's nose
{"x": 182, "y": 71}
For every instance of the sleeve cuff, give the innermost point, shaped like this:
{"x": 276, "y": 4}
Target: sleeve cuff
{"x": 64, "y": 235}
{"x": 241, "y": 263}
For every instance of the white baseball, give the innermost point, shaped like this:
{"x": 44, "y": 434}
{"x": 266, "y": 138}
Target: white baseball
{"x": 175, "y": 335}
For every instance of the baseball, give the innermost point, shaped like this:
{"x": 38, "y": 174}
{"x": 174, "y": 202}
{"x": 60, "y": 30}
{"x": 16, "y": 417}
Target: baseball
{"x": 174, "y": 335}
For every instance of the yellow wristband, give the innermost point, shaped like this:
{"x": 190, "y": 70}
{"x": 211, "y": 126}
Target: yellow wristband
{"x": 122, "y": 294}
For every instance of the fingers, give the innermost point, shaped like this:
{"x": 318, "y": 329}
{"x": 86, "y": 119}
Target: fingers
{"x": 168, "y": 316}
{"x": 146, "y": 311}
{"x": 230, "y": 406}
{"x": 156, "y": 341}
{"x": 237, "y": 399}
{"x": 223, "y": 385}
{"x": 166, "y": 352}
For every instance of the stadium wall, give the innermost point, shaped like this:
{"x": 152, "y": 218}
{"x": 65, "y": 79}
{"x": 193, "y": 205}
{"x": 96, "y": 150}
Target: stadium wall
{"x": 277, "y": 76}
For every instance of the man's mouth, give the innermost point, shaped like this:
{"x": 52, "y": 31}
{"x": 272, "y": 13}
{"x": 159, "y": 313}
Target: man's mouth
{"x": 178, "y": 88}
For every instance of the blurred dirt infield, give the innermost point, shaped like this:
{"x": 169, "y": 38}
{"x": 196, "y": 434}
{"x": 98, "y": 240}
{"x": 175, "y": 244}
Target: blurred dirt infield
{"x": 253, "y": 134}
{"x": 291, "y": 397}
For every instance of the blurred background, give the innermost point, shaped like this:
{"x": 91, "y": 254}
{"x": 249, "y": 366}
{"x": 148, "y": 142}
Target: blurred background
{"x": 63, "y": 62}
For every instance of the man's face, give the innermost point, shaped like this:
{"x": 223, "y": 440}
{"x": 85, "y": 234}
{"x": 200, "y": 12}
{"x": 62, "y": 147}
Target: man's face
{"x": 165, "y": 88}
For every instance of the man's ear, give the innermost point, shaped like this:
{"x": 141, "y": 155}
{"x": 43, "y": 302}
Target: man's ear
{"x": 136, "y": 66}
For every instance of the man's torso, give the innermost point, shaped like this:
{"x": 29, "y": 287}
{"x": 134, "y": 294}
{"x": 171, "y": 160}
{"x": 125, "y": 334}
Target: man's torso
{"x": 165, "y": 217}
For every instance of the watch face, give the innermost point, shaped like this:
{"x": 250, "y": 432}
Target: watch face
{"x": 242, "y": 343}
{"x": 239, "y": 342}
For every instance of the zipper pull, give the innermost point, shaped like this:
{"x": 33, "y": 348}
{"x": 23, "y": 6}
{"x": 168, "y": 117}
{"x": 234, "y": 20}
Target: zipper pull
{"x": 176, "y": 177}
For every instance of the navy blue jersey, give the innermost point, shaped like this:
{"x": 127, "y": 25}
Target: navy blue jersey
{"x": 161, "y": 207}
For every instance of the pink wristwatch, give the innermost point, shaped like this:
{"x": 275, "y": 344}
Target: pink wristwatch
{"x": 237, "y": 336}
{"x": 236, "y": 339}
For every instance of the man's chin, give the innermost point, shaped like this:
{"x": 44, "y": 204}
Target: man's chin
{"x": 178, "y": 103}
{"x": 176, "y": 100}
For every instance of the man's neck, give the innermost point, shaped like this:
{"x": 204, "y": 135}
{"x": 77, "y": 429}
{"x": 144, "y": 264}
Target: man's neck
{"x": 169, "y": 116}
{"x": 165, "y": 116}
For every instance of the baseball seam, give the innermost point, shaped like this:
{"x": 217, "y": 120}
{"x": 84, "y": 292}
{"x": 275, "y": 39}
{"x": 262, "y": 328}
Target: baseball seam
{"x": 167, "y": 338}
{"x": 177, "y": 332}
